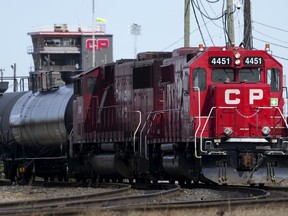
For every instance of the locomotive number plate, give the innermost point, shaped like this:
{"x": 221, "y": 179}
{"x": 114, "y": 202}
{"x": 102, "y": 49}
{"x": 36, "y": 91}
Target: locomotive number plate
{"x": 253, "y": 60}
{"x": 220, "y": 61}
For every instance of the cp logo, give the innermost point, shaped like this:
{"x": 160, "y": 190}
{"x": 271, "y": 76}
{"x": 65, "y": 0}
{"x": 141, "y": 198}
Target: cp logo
{"x": 232, "y": 96}
{"x": 97, "y": 44}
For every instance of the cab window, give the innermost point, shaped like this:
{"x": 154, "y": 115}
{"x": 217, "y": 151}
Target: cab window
{"x": 249, "y": 75}
{"x": 199, "y": 78}
{"x": 273, "y": 79}
{"x": 223, "y": 75}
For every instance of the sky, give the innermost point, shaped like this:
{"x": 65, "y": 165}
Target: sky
{"x": 162, "y": 25}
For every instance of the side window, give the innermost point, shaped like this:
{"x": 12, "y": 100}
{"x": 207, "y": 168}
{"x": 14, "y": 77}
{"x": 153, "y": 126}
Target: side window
{"x": 273, "y": 79}
{"x": 199, "y": 78}
{"x": 142, "y": 77}
{"x": 186, "y": 78}
{"x": 91, "y": 85}
{"x": 78, "y": 87}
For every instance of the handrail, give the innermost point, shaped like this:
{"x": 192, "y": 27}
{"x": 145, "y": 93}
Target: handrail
{"x": 236, "y": 108}
{"x": 145, "y": 146}
{"x": 199, "y": 125}
{"x": 144, "y": 125}
{"x": 137, "y": 128}
{"x": 70, "y": 138}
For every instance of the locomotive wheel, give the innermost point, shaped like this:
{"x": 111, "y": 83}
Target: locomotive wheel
{"x": 188, "y": 182}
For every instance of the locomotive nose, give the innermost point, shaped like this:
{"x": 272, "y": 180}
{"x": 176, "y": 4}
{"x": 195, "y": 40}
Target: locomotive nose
{"x": 242, "y": 110}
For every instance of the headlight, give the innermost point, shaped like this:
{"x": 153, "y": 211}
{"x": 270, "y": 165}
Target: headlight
{"x": 266, "y": 130}
{"x": 228, "y": 131}
{"x": 237, "y": 55}
{"x": 237, "y": 62}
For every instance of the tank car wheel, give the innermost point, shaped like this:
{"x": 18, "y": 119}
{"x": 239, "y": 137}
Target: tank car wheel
{"x": 172, "y": 181}
{"x": 188, "y": 182}
{"x": 261, "y": 185}
{"x": 181, "y": 182}
{"x": 196, "y": 182}
{"x": 66, "y": 174}
{"x": 60, "y": 178}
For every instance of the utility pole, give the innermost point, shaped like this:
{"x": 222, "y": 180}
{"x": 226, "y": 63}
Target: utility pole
{"x": 187, "y": 23}
{"x": 248, "y": 43}
{"x": 93, "y": 33}
{"x": 230, "y": 23}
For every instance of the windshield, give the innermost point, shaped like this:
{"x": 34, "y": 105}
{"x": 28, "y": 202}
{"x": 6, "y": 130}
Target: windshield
{"x": 223, "y": 75}
{"x": 228, "y": 75}
{"x": 249, "y": 75}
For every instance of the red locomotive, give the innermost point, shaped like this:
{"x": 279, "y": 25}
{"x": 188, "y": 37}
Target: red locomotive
{"x": 197, "y": 114}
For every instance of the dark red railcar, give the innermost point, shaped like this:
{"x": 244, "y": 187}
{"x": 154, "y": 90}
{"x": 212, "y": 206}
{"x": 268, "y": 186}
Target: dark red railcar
{"x": 195, "y": 114}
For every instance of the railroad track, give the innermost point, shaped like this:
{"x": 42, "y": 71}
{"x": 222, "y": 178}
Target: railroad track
{"x": 250, "y": 195}
{"x": 264, "y": 201}
{"x": 124, "y": 195}
{"x": 29, "y": 206}
{"x": 148, "y": 198}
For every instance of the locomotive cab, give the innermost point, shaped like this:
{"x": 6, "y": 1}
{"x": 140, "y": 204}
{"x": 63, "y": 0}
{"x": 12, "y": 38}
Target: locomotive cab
{"x": 239, "y": 116}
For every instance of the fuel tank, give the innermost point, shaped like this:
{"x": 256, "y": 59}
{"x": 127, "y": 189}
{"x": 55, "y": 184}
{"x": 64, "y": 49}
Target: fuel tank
{"x": 109, "y": 165}
{"x": 42, "y": 119}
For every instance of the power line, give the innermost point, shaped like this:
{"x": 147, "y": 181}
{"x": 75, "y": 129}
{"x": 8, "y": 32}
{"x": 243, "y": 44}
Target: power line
{"x": 276, "y": 56}
{"x": 205, "y": 24}
{"x": 286, "y": 59}
{"x": 199, "y": 28}
{"x": 286, "y": 47}
{"x": 280, "y": 29}
{"x": 209, "y": 1}
{"x": 270, "y": 36}
{"x": 206, "y": 15}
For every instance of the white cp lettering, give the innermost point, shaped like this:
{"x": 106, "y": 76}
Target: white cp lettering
{"x": 255, "y": 94}
{"x": 231, "y": 96}
{"x": 228, "y": 97}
